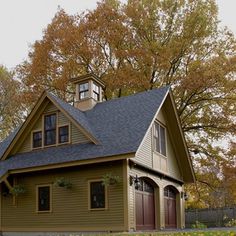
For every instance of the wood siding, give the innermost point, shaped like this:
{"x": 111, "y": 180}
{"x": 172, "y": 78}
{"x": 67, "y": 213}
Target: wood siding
{"x": 144, "y": 156}
{"x": 76, "y": 136}
{"x": 69, "y": 206}
{"x": 147, "y": 156}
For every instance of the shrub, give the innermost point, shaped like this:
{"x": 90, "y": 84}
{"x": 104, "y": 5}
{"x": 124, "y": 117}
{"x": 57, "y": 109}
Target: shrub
{"x": 231, "y": 223}
{"x": 198, "y": 225}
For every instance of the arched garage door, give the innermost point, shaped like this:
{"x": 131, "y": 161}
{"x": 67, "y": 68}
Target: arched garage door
{"x": 145, "y": 206}
{"x": 170, "y": 207}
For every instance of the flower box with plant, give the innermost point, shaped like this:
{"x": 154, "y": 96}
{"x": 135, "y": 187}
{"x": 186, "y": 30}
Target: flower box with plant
{"x": 109, "y": 179}
{"x": 17, "y": 190}
{"x": 63, "y": 183}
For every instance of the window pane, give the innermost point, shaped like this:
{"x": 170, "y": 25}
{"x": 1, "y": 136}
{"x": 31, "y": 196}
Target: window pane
{"x": 95, "y": 88}
{"x": 96, "y": 96}
{"x": 64, "y": 134}
{"x": 44, "y": 198}
{"x": 159, "y": 137}
{"x": 37, "y": 139}
{"x": 97, "y": 191}
{"x": 163, "y": 140}
{"x": 83, "y": 87}
{"x": 50, "y": 122}
{"x": 156, "y": 137}
{"x": 83, "y": 95}
{"x": 50, "y": 137}
{"x": 50, "y": 129}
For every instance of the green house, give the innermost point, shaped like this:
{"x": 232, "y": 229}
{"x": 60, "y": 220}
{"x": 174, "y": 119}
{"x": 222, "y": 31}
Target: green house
{"x": 117, "y": 165}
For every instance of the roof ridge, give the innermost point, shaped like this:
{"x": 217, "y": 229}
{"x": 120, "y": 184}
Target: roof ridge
{"x": 131, "y": 95}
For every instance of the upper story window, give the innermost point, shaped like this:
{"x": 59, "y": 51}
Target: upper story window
{"x": 97, "y": 195}
{"x": 159, "y": 136}
{"x": 83, "y": 90}
{"x": 50, "y": 134}
{"x": 95, "y": 92}
{"x": 63, "y": 136}
{"x": 37, "y": 139}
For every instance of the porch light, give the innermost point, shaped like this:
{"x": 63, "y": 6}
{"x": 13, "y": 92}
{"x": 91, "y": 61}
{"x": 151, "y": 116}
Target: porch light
{"x": 136, "y": 181}
{"x": 184, "y": 195}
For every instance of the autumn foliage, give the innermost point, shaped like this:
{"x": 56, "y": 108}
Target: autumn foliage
{"x": 141, "y": 45}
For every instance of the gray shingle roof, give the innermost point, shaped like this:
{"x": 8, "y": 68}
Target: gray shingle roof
{"x": 119, "y": 125}
{"x": 7, "y": 141}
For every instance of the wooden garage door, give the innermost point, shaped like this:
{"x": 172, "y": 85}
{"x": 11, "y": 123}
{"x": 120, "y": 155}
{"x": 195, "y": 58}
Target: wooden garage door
{"x": 145, "y": 207}
{"x": 170, "y": 207}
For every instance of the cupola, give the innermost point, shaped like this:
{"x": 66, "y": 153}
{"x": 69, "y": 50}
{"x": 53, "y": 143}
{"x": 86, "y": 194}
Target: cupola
{"x": 89, "y": 91}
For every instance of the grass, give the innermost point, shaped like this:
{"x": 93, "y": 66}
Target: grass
{"x": 191, "y": 233}
{"x": 198, "y": 233}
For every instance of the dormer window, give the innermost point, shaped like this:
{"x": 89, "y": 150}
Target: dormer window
{"x": 83, "y": 90}
{"x": 50, "y": 122}
{"x": 63, "y": 136}
{"x": 37, "y": 139}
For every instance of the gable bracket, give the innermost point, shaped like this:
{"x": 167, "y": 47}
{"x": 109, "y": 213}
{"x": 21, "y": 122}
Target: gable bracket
{"x": 5, "y": 180}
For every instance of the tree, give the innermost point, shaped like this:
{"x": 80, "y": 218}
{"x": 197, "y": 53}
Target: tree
{"x": 10, "y": 106}
{"x": 145, "y": 44}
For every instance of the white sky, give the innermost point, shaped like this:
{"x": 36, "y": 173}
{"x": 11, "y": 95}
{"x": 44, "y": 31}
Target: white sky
{"x": 22, "y": 22}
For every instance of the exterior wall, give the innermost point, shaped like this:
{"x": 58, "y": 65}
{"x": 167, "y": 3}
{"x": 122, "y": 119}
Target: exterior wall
{"x": 159, "y": 200}
{"x": 70, "y": 207}
{"x": 148, "y": 157}
{"x": 76, "y": 136}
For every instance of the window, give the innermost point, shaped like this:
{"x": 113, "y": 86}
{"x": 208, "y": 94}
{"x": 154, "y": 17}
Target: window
{"x": 95, "y": 92}
{"x": 159, "y": 139}
{"x": 97, "y": 195}
{"x": 43, "y": 198}
{"x": 83, "y": 90}
{"x": 50, "y": 129}
{"x": 37, "y": 139}
{"x": 63, "y": 134}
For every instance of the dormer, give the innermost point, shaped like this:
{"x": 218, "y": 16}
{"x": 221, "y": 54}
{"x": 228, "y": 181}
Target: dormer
{"x": 89, "y": 91}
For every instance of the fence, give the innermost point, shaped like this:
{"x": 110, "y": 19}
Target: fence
{"x": 216, "y": 217}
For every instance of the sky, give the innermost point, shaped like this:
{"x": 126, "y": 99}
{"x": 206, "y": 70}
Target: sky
{"x": 22, "y": 22}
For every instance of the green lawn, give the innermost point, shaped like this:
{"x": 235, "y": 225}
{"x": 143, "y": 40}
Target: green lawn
{"x": 197, "y": 233}
{"x": 191, "y": 233}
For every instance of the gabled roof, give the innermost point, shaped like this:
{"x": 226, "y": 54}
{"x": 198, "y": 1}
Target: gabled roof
{"x": 118, "y": 126}
{"x": 73, "y": 114}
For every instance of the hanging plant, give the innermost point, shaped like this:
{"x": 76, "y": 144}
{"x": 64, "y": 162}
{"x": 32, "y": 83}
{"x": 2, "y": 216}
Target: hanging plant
{"x": 63, "y": 183}
{"x": 109, "y": 179}
{"x": 17, "y": 189}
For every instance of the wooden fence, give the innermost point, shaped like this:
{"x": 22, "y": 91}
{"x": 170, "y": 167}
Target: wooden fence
{"x": 216, "y": 217}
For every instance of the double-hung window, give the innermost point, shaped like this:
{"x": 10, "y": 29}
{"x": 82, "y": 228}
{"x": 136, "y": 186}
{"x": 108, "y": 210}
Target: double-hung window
{"x": 97, "y": 195}
{"x": 44, "y": 198}
{"x": 95, "y": 92}
{"x": 159, "y": 136}
{"x": 63, "y": 136}
{"x": 37, "y": 139}
{"x": 50, "y": 123}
